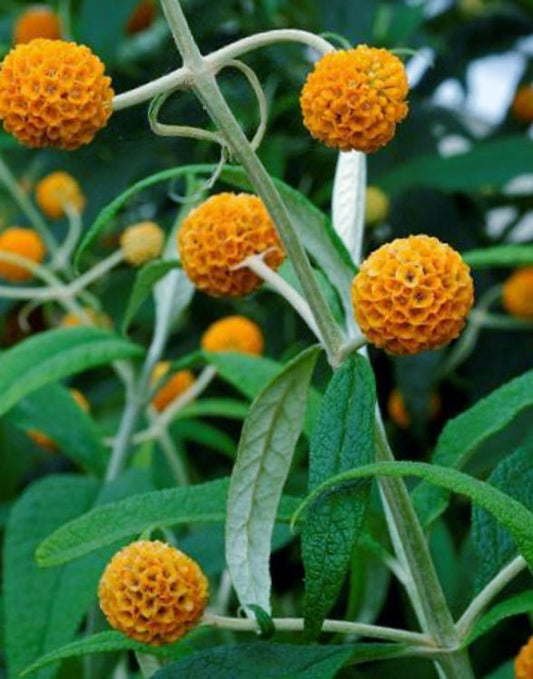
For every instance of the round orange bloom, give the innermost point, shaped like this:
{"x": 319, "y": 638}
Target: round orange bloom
{"x": 152, "y": 592}
{"x": 218, "y": 235}
{"x": 376, "y": 205}
{"x": 80, "y": 399}
{"x": 42, "y": 440}
{"x": 412, "y": 295}
{"x": 173, "y": 387}
{"x": 142, "y": 242}
{"x": 24, "y": 243}
{"x": 518, "y": 293}
{"x": 522, "y": 107}
{"x": 142, "y": 17}
{"x": 233, "y": 334}
{"x": 523, "y": 666}
{"x": 56, "y": 191}
{"x": 398, "y": 412}
{"x": 54, "y": 93}
{"x": 353, "y": 99}
{"x": 97, "y": 318}
{"x": 38, "y": 21}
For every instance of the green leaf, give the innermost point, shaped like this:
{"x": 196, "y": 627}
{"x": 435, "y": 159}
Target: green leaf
{"x": 100, "y": 35}
{"x": 500, "y": 255}
{"x": 262, "y": 660}
{"x": 267, "y": 443}
{"x": 215, "y": 407}
{"x": 348, "y": 201}
{"x": 203, "y": 503}
{"x": 145, "y": 280}
{"x": 514, "y": 516}
{"x": 521, "y": 604}
{"x": 493, "y": 546}
{"x": 463, "y": 436}
{"x": 103, "y": 642}
{"x": 469, "y": 171}
{"x": 80, "y": 440}
{"x": 343, "y": 439}
{"x": 205, "y": 435}
{"x": 250, "y": 374}
{"x": 505, "y": 671}
{"x": 52, "y": 355}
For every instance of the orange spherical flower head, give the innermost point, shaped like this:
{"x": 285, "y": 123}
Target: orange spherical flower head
{"x": 234, "y": 334}
{"x": 80, "y": 399}
{"x": 142, "y": 242}
{"x": 518, "y": 293}
{"x": 152, "y": 592}
{"x": 54, "y": 93}
{"x": 523, "y": 666}
{"x": 399, "y": 413}
{"x": 42, "y": 440}
{"x": 218, "y": 235}
{"x": 354, "y": 98}
{"x": 522, "y": 107}
{"x": 58, "y": 192}
{"x": 142, "y": 17}
{"x": 412, "y": 295}
{"x": 173, "y": 387}
{"x": 38, "y": 21}
{"x": 24, "y": 243}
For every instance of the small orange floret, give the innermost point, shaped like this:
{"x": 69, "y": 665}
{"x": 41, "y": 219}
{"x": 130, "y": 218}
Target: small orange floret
{"x": 398, "y": 412}
{"x": 89, "y": 317}
{"x": 523, "y": 665}
{"x": 234, "y": 334}
{"x": 152, "y": 592}
{"x": 173, "y": 387}
{"x": 412, "y": 295}
{"x": 518, "y": 293}
{"x": 54, "y": 93}
{"x": 142, "y": 17}
{"x": 42, "y": 440}
{"x": 353, "y": 99}
{"x": 80, "y": 399}
{"x": 142, "y": 242}
{"x": 57, "y": 192}
{"x": 38, "y": 21}
{"x": 218, "y": 235}
{"x": 24, "y": 243}
{"x": 522, "y": 107}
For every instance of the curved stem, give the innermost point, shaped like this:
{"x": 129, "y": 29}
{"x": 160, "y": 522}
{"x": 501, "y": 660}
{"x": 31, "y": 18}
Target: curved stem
{"x": 262, "y": 103}
{"x": 483, "y": 599}
{"x": 179, "y": 78}
{"x": 61, "y": 258}
{"x": 96, "y": 272}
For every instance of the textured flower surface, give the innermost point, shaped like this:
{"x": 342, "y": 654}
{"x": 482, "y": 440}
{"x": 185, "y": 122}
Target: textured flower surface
{"x": 57, "y": 192}
{"x": 153, "y": 592}
{"x": 518, "y": 293}
{"x": 376, "y": 205}
{"x": 523, "y": 666}
{"x": 218, "y": 235}
{"x": 142, "y": 242}
{"x": 173, "y": 387}
{"x": 523, "y": 104}
{"x": 412, "y": 295}
{"x": 24, "y": 243}
{"x": 142, "y": 17}
{"x": 54, "y": 93}
{"x": 398, "y": 412}
{"x": 234, "y": 333}
{"x": 38, "y": 21}
{"x": 354, "y": 98}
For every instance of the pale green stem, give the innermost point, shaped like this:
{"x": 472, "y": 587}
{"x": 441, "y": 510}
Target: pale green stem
{"x": 173, "y": 458}
{"x": 25, "y": 204}
{"x": 61, "y": 260}
{"x": 148, "y": 664}
{"x": 97, "y": 271}
{"x": 208, "y": 91}
{"x": 487, "y": 594}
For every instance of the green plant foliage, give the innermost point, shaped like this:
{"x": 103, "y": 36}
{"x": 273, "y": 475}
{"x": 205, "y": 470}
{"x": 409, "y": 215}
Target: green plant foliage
{"x": 343, "y": 439}
{"x": 500, "y": 255}
{"x": 520, "y": 604}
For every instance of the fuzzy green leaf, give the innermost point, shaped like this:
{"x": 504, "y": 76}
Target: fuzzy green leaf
{"x": 500, "y": 255}
{"x": 343, "y": 439}
{"x": 463, "y": 436}
{"x": 264, "y": 457}
{"x": 52, "y": 355}
{"x": 521, "y": 604}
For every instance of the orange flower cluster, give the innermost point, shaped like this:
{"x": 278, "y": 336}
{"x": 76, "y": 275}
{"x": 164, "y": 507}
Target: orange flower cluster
{"x": 399, "y": 413}
{"x": 174, "y": 386}
{"x": 142, "y": 242}
{"x": 24, "y": 243}
{"x": 522, "y": 107}
{"x": 153, "y": 592}
{"x": 37, "y": 21}
{"x": 56, "y": 192}
{"x": 142, "y": 17}
{"x": 523, "y": 665}
{"x": 355, "y": 98}
{"x": 218, "y": 235}
{"x": 412, "y": 295}
{"x": 233, "y": 334}
{"x": 518, "y": 293}
{"x": 54, "y": 93}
